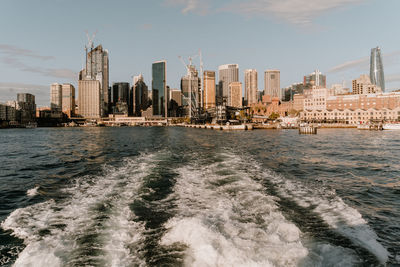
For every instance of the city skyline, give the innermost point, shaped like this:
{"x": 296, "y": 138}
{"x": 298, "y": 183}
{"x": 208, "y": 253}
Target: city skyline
{"x": 33, "y": 64}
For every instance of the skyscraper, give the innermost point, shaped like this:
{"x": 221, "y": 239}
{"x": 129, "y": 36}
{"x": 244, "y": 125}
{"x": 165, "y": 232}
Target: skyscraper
{"x": 89, "y": 101}
{"x": 159, "y": 88}
{"x": 209, "y": 89}
{"x": 272, "y": 83}
{"x": 376, "y": 68}
{"x": 250, "y": 87}
{"x": 315, "y": 79}
{"x": 56, "y": 96}
{"x": 139, "y": 95}
{"x": 191, "y": 80}
{"x": 120, "y": 98}
{"x": 27, "y": 107}
{"x": 97, "y": 68}
{"x": 227, "y": 74}
{"x": 235, "y": 92}
{"x": 68, "y": 99}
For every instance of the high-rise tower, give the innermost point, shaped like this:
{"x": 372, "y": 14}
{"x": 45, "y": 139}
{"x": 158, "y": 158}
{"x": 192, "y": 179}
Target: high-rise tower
{"x": 250, "y": 87}
{"x": 227, "y": 74}
{"x": 272, "y": 83}
{"x": 159, "y": 88}
{"x": 376, "y": 68}
{"x": 209, "y": 89}
{"x": 96, "y": 69}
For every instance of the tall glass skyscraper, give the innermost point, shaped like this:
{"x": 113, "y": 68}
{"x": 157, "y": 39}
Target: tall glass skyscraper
{"x": 376, "y": 68}
{"x": 159, "y": 88}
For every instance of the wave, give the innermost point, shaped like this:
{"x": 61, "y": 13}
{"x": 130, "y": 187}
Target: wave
{"x": 225, "y": 219}
{"x": 340, "y": 217}
{"x": 32, "y": 192}
{"x": 94, "y": 225}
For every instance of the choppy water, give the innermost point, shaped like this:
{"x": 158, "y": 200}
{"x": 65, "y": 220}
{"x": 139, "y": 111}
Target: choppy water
{"x": 195, "y": 197}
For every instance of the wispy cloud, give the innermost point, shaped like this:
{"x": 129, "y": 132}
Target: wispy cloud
{"x": 358, "y": 63}
{"x": 195, "y": 6}
{"x": 11, "y": 50}
{"x": 299, "y": 12}
{"x": 363, "y": 63}
{"x": 14, "y": 56}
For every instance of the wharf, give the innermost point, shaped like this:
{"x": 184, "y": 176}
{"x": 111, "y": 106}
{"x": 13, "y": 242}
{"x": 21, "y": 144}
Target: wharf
{"x": 244, "y": 127}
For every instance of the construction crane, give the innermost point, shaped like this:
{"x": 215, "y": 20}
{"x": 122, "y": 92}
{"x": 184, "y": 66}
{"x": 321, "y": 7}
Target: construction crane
{"x": 191, "y": 95}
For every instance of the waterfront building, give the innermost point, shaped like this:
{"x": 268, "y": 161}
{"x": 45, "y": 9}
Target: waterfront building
{"x": 159, "y": 88}
{"x": 209, "y": 89}
{"x": 363, "y": 85}
{"x": 7, "y": 113}
{"x": 315, "y": 99}
{"x": 315, "y": 79}
{"x": 272, "y": 83}
{"x": 250, "y": 87}
{"x": 120, "y": 101}
{"x": 97, "y": 68}
{"x": 298, "y": 102}
{"x": 227, "y": 73}
{"x": 89, "y": 101}
{"x": 176, "y": 96}
{"x": 235, "y": 92}
{"x": 193, "y": 81}
{"x": 27, "y": 107}
{"x": 140, "y": 95}
{"x": 56, "y": 96}
{"x": 376, "y": 68}
{"x": 68, "y": 99}
{"x": 352, "y": 108}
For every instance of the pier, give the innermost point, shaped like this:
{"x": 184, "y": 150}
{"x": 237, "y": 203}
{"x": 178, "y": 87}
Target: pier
{"x": 309, "y": 129}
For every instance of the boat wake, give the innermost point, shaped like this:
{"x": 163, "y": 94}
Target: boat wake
{"x": 93, "y": 226}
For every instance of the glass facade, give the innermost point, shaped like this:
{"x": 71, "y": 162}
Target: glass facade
{"x": 376, "y": 68}
{"x": 159, "y": 88}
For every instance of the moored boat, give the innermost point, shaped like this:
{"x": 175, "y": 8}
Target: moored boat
{"x": 391, "y": 126}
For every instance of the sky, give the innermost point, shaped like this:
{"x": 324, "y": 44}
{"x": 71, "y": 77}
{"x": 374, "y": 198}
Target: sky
{"x": 42, "y": 41}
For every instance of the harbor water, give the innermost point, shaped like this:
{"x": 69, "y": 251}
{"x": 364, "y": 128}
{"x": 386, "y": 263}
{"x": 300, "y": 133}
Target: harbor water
{"x": 174, "y": 196}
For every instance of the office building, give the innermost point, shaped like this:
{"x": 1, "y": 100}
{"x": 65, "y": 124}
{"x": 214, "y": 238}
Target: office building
{"x": 27, "y": 107}
{"x": 56, "y": 96}
{"x": 227, "y": 74}
{"x": 235, "y": 92}
{"x": 209, "y": 93}
{"x": 120, "y": 98}
{"x": 250, "y": 87}
{"x": 376, "y": 68}
{"x": 140, "y": 95}
{"x": 272, "y": 83}
{"x": 159, "y": 88}
{"x": 316, "y": 79}
{"x": 97, "y": 68}
{"x": 89, "y": 101}
{"x": 68, "y": 99}
{"x": 363, "y": 85}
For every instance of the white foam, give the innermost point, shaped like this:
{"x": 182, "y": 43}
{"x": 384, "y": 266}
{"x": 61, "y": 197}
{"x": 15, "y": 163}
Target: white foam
{"x": 32, "y": 192}
{"x": 50, "y": 230}
{"x": 231, "y": 224}
{"x": 331, "y": 208}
